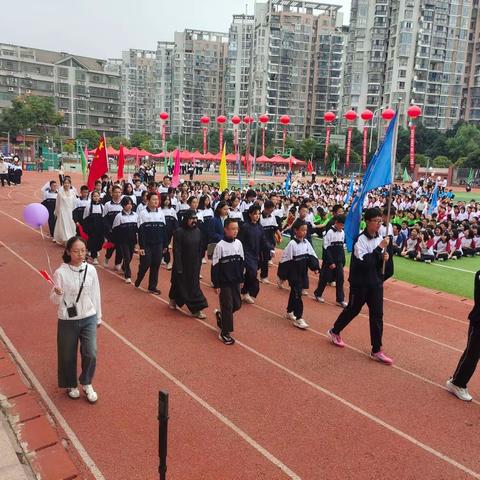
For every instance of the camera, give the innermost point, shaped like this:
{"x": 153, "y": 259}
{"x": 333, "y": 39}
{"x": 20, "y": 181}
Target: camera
{"x": 72, "y": 311}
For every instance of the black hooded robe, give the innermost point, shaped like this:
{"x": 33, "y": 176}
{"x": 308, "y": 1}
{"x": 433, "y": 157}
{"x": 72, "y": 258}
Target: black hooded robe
{"x": 187, "y": 261}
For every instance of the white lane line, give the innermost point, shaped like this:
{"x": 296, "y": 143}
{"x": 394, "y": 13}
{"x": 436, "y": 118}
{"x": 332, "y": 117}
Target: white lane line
{"x": 336, "y": 397}
{"x": 452, "y": 268}
{"x": 247, "y": 438}
{"x": 53, "y": 409}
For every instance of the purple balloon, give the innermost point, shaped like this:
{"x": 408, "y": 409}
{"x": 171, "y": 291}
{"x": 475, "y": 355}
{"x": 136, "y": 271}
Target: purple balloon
{"x": 35, "y": 215}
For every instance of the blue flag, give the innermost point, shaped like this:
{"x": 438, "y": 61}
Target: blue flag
{"x": 379, "y": 173}
{"x": 288, "y": 181}
{"x": 433, "y": 200}
{"x": 350, "y": 191}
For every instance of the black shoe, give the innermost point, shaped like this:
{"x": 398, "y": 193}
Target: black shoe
{"x": 218, "y": 316}
{"x": 154, "y": 291}
{"x": 226, "y": 338}
{"x": 137, "y": 283}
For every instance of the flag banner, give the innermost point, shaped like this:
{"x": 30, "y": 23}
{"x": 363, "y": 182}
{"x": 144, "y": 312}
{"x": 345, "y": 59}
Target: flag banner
{"x": 327, "y": 143}
{"x": 470, "y": 177}
{"x": 176, "y": 170}
{"x": 378, "y": 174}
{"x": 309, "y": 167}
{"x": 164, "y": 135}
{"x": 204, "y": 141}
{"x": 99, "y": 165}
{"x": 288, "y": 182}
{"x": 223, "y": 170}
{"x": 263, "y": 141}
{"x": 364, "y": 148}
{"x": 412, "y": 146}
{"x": 239, "y": 166}
{"x": 349, "y": 146}
{"x": 433, "y": 200}
{"x": 83, "y": 159}
{"x": 46, "y": 276}
{"x": 284, "y": 137}
{"x": 350, "y": 190}
{"x": 220, "y": 138}
{"x": 235, "y": 139}
{"x": 333, "y": 168}
{"x": 405, "y": 176}
{"x": 121, "y": 162}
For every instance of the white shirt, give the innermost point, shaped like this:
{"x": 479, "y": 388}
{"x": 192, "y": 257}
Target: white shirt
{"x": 69, "y": 279}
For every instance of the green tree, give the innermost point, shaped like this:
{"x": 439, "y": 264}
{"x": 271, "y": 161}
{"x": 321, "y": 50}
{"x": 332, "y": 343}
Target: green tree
{"x": 138, "y": 138}
{"x": 90, "y": 136}
{"x": 420, "y": 159}
{"x": 465, "y": 142}
{"x": 116, "y": 141}
{"x": 69, "y": 146}
{"x": 441, "y": 161}
{"x": 308, "y": 148}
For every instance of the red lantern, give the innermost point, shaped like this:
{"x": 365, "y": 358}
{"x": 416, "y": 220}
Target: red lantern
{"x": 263, "y": 120}
{"x": 329, "y": 117}
{"x": 350, "y": 115}
{"x": 164, "y": 116}
{"x": 205, "y": 121}
{"x": 413, "y": 112}
{"x": 247, "y": 120}
{"x": 366, "y": 115}
{"x": 388, "y": 114}
{"x": 221, "y": 119}
{"x": 284, "y": 120}
{"x": 235, "y": 120}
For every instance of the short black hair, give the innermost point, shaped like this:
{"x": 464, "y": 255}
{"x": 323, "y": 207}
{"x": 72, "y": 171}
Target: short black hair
{"x": 116, "y": 187}
{"x": 228, "y": 221}
{"x": 340, "y": 218}
{"x": 125, "y": 201}
{"x": 268, "y": 204}
{"x": 83, "y": 188}
{"x": 254, "y": 208}
{"x": 298, "y": 223}
{"x": 151, "y": 194}
{"x": 372, "y": 213}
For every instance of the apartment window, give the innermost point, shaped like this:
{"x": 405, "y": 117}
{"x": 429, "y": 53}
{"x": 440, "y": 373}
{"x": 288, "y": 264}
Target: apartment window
{"x": 402, "y": 73}
{"x": 62, "y": 72}
{"x": 401, "y": 85}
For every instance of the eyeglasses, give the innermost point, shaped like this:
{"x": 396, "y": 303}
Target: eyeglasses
{"x": 78, "y": 251}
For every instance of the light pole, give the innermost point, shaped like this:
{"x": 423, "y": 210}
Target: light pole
{"x": 8, "y": 142}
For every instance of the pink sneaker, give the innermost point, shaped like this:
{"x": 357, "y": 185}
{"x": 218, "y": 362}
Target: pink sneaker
{"x": 381, "y": 357}
{"x": 335, "y": 339}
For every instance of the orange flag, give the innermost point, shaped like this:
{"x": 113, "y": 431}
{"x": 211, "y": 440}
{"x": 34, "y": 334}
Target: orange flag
{"x": 99, "y": 165}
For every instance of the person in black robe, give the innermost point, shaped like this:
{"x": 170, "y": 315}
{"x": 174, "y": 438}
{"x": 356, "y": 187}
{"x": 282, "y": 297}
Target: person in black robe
{"x": 187, "y": 261}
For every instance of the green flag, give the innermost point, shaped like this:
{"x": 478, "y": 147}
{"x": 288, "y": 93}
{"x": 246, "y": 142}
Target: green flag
{"x": 333, "y": 167}
{"x": 406, "y": 176}
{"x": 83, "y": 159}
{"x": 470, "y": 177}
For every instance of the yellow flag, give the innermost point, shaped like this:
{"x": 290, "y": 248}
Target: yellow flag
{"x": 223, "y": 170}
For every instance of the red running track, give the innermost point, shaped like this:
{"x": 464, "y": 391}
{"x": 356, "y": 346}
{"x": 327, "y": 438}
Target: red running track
{"x": 281, "y": 403}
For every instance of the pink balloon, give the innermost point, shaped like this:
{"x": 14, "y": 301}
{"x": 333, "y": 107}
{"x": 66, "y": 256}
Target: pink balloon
{"x": 35, "y": 215}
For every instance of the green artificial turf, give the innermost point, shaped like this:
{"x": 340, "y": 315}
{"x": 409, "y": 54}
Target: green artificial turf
{"x": 452, "y": 276}
{"x": 466, "y": 196}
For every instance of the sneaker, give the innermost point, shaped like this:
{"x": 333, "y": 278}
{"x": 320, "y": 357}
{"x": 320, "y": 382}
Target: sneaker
{"x": 301, "y": 323}
{"x": 454, "y": 258}
{"x": 154, "y": 291}
{"x": 90, "y": 393}
{"x": 440, "y": 259}
{"x": 118, "y": 268}
{"x": 73, "y": 393}
{"x": 200, "y": 315}
{"x": 428, "y": 261}
{"x": 381, "y": 357}
{"x": 218, "y": 316}
{"x": 319, "y": 299}
{"x": 172, "y": 304}
{"x": 226, "y": 338}
{"x": 461, "y": 393}
{"x": 137, "y": 284}
{"x": 280, "y": 282}
{"x": 163, "y": 262}
{"x": 341, "y": 304}
{"x": 265, "y": 280}
{"x": 105, "y": 263}
{"x": 270, "y": 262}
{"x": 248, "y": 299}
{"x": 204, "y": 261}
{"x": 95, "y": 261}
{"x": 333, "y": 284}
{"x": 128, "y": 280}
{"x": 304, "y": 292}
{"x": 169, "y": 266}
{"x": 290, "y": 316}
{"x": 335, "y": 339}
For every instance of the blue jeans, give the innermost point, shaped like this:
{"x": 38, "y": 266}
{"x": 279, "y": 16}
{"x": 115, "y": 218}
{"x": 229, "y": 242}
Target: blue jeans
{"x": 69, "y": 333}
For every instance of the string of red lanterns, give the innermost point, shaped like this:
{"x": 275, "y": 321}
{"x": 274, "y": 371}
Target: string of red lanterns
{"x": 329, "y": 118}
{"x": 205, "y": 120}
{"x": 164, "y": 118}
{"x": 350, "y": 116}
{"x": 247, "y": 121}
{"x": 263, "y": 121}
{"x": 221, "y": 119}
{"x": 366, "y": 116}
{"x": 235, "y": 120}
{"x": 414, "y": 111}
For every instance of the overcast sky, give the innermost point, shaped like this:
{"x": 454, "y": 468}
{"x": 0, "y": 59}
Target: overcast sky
{"x": 103, "y": 28}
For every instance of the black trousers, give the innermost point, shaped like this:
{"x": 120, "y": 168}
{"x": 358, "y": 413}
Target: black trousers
{"x": 250, "y": 283}
{"x": 443, "y": 255}
{"x": 4, "y": 178}
{"x": 359, "y": 296}
{"x": 295, "y": 302}
{"x": 469, "y": 359}
{"x": 150, "y": 261}
{"x": 328, "y": 275}
{"x": 127, "y": 253}
{"x": 263, "y": 263}
{"x": 230, "y": 302}
{"x": 116, "y": 249}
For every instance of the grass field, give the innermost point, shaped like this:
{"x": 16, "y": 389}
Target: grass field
{"x": 452, "y": 276}
{"x": 466, "y": 196}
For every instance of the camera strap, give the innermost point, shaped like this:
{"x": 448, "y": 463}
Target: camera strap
{"x": 81, "y": 286}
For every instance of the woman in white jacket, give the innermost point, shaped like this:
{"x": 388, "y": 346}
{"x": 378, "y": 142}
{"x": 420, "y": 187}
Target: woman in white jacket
{"x": 77, "y": 294}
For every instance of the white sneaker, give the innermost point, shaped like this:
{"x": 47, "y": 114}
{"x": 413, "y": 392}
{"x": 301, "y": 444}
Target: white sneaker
{"x": 248, "y": 299}
{"x": 73, "y": 393}
{"x": 461, "y": 393}
{"x": 304, "y": 292}
{"x": 428, "y": 261}
{"x": 270, "y": 262}
{"x": 128, "y": 280}
{"x": 341, "y": 304}
{"x": 105, "y": 263}
{"x": 279, "y": 282}
{"x": 200, "y": 315}
{"x": 301, "y": 323}
{"x": 333, "y": 284}
{"x": 90, "y": 393}
{"x": 290, "y": 316}
{"x": 319, "y": 299}
{"x": 95, "y": 261}
{"x": 265, "y": 280}
{"x": 169, "y": 266}
{"x": 204, "y": 261}
{"x": 118, "y": 268}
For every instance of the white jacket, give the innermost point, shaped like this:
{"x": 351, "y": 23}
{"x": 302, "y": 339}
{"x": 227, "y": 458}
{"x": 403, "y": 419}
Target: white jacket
{"x": 69, "y": 279}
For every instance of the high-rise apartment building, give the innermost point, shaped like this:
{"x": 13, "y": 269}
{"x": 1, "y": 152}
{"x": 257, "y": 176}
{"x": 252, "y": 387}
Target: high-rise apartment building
{"x": 84, "y": 91}
{"x": 198, "y": 79}
{"x": 297, "y": 63}
{"x": 413, "y": 50}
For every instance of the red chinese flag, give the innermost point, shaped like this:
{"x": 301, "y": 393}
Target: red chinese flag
{"x": 309, "y": 167}
{"x": 121, "y": 163}
{"x": 99, "y": 165}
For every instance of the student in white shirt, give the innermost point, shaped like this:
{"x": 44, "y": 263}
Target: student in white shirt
{"x": 77, "y": 294}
